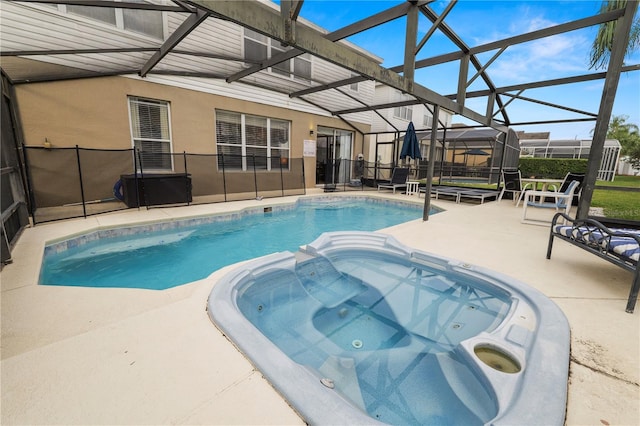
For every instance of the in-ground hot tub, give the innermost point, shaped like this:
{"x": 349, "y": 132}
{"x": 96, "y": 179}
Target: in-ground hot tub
{"x": 356, "y": 328}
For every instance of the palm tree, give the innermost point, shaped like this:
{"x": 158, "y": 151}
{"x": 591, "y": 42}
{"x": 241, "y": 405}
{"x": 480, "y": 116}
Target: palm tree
{"x": 601, "y": 47}
{"x": 628, "y": 134}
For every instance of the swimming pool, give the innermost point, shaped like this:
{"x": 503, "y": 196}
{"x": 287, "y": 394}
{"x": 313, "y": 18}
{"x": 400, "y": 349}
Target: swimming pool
{"x": 163, "y": 255}
{"x": 356, "y": 328}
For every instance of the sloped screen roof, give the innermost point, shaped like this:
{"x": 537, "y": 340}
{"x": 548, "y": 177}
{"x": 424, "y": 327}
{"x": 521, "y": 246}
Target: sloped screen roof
{"x": 189, "y": 49}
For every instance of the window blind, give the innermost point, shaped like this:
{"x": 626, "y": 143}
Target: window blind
{"x": 150, "y": 132}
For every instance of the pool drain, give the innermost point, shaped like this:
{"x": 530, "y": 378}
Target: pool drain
{"x": 356, "y": 343}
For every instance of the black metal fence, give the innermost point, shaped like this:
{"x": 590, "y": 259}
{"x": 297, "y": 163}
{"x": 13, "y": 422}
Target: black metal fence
{"x": 349, "y": 175}
{"x": 76, "y": 182}
{"x": 443, "y": 171}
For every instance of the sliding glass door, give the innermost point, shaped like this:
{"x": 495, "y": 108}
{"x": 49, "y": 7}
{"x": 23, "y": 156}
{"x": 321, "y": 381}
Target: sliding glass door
{"x": 334, "y": 149}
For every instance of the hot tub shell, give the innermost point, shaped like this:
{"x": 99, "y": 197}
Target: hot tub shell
{"x": 534, "y": 336}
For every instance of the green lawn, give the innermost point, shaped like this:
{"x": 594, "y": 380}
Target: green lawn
{"x": 619, "y": 204}
{"x": 628, "y": 181}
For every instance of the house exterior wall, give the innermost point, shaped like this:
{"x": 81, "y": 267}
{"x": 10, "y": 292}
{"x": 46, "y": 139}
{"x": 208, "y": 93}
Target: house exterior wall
{"x": 385, "y": 94}
{"x": 23, "y": 30}
{"x": 93, "y": 113}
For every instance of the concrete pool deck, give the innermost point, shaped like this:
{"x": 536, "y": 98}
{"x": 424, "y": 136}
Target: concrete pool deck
{"x": 75, "y": 355}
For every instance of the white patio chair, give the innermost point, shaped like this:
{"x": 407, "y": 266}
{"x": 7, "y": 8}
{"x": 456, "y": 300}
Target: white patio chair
{"x": 562, "y": 201}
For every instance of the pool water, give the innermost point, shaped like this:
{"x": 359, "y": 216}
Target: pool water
{"x": 384, "y": 331}
{"x": 186, "y": 253}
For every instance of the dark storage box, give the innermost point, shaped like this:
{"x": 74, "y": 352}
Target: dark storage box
{"x": 156, "y": 189}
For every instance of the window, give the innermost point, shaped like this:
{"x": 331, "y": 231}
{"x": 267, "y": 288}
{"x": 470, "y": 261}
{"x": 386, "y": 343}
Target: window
{"x": 403, "y": 113}
{"x": 426, "y": 121}
{"x": 258, "y": 47}
{"x": 354, "y": 86}
{"x": 149, "y": 22}
{"x": 151, "y": 133}
{"x": 247, "y": 141}
{"x": 104, "y": 14}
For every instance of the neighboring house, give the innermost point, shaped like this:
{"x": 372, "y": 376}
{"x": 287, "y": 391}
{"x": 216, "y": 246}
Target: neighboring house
{"x": 388, "y": 122}
{"x": 166, "y": 112}
{"x": 528, "y": 140}
{"x": 625, "y": 168}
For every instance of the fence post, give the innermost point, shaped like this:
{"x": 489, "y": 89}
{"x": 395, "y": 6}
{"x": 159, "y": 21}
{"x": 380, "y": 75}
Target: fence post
{"x": 135, "y": 173}
{"x": 84, "y": 207}
{"x": 224, "y": 176}
{"x": 135, "y": 179}
{"x": 187, "y": 180}
{"x": 255, "y": 175}
{"x": 375, "y": 164}
{"x": 281, "y": 176}
{"x": 304, "y": 180}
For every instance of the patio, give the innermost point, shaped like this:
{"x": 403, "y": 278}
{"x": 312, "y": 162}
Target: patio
{"x": 120, "y": 356}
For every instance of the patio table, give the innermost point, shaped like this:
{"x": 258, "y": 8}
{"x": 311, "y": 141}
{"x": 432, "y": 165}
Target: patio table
{"x": 412, "y": 187}
{"x": 544, "y": 181}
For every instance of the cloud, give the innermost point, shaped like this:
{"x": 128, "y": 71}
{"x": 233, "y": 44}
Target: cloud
{"x": 553, "y": 57}
{"x": 545, "y": 58}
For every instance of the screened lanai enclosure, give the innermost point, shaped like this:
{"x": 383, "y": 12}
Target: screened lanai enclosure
{"x": 465, "y": 154}
{"x": 575, "y": 148}
{"x": 266, "y": 55}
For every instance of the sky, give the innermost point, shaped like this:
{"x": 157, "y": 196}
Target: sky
{"x": 478, "y": 22}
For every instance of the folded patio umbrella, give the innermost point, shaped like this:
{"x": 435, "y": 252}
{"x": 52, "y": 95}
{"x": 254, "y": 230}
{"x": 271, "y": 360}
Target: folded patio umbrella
{"x": 410, "y": 146}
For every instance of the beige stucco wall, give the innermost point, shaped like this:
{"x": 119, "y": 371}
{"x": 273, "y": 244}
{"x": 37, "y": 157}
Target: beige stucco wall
{"x": 93, "y": 113}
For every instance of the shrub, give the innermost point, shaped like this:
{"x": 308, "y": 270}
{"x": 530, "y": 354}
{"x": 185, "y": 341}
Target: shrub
{"x": 552, "y": 168}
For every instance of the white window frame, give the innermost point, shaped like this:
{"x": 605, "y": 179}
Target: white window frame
{"x": 161, "y": 141}
{"x": 427, "y": 121}
{"x": 354, "y": 86}
{"x": 403, "y": 113}
{"x": 269, "y": 148}
{"x": 119, "y": 20}
{"x": 274, "y": 45}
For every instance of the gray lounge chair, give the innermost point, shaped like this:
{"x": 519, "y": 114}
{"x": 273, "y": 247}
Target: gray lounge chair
{"x": 398, "y": 179}
{"x": 458, "y": 193}
{"x": 479, "y": 194}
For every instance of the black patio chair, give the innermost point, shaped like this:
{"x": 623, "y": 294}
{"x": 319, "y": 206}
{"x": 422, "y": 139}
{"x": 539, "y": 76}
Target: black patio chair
{"x": 512, "y": 182}
{"x": 570, "y": 177}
